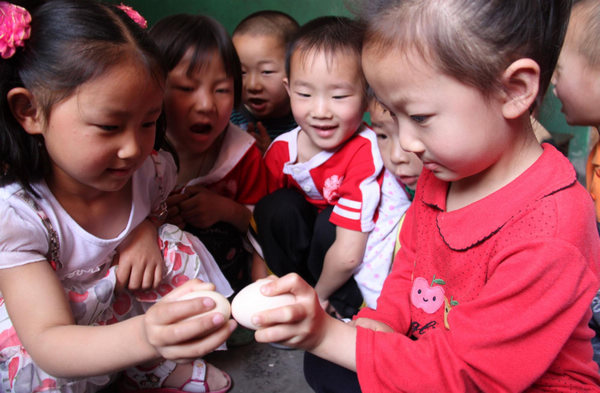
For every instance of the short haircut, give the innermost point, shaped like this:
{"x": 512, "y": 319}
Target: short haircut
{"x": 269, "y": 23}
{"x": 586, "y": 34}
{"x": 176, "y": 34}
{"x": 72, "y": 42}
{"x": 329, "y": 34}
{"x": 472, "y": 41}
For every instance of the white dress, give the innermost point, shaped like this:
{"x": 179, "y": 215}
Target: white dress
{"x": 84, "y": 267}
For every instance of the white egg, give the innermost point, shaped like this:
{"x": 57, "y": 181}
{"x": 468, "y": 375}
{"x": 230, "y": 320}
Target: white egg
{"x": 250, "y": 301}
{"x": 222, "y": 304}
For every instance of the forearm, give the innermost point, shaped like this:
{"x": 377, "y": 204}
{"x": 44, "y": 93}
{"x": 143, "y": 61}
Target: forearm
{"x": 336, "y": 271}
{"x": 342, "y": 258}
{"x": 59, "y": 351}
{"x": 338, "y": 345}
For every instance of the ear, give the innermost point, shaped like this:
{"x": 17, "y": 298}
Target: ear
{"x": 521, "y": 85}
{"x": 24, "y": 109}
{"x": 286, "y": 83}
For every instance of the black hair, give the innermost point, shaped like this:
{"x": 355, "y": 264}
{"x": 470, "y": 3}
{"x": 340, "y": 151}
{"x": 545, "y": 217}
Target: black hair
{"x": 269, "y": 22}
{"x": 176, "y": 34}
{"x": 330, "y": 34}
{"x": 71, "y": 43}
{"x": 473, "y": 41}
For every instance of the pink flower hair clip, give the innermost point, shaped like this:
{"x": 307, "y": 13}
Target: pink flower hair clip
{"x": 133, "y": 14}
{"x": 14, "y": 28}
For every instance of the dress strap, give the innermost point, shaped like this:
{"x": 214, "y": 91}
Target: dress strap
{"x": 53, "y": 242}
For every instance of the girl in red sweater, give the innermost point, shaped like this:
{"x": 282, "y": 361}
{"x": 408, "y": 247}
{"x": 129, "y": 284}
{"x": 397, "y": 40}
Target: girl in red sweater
{"x": 499, "y": 255}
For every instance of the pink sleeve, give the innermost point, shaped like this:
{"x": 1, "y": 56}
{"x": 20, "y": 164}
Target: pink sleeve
{"x": 533, "y": 311}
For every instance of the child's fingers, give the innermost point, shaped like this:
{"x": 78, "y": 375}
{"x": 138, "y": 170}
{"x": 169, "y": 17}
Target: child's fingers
{"x": 185, "y": 330}
{"x": 290, "y": 283}
{"x": 190, "y": 286}
{"x": 200, "y": 346}
{"x": 281, "y": 315}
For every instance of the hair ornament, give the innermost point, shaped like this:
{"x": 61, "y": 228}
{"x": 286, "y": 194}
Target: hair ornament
{"x": 133, "y": 14}
{"x": 14, "y": 28}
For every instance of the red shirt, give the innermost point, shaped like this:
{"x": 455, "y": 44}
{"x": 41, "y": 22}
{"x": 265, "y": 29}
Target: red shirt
{"x": 345, "y": 178}
{"x": 239, "y": 172}
{"x": 496, "y": 295}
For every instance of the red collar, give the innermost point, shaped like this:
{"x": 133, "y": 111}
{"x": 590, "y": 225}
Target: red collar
{"x": 464, "y": 228}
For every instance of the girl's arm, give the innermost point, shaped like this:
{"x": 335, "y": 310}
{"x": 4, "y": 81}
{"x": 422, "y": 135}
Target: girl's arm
{"x": 305, "y": 324}
{"x": 44, "y": 323}
{"x": 204, "y": 208}
{"x": 342, "y": 258}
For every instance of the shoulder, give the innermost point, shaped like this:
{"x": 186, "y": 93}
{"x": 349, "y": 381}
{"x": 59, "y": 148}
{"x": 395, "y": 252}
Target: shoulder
{"x": 27, "y": 237}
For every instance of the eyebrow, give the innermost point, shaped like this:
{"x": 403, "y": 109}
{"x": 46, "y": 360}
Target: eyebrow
{"x": 331, "y": 86}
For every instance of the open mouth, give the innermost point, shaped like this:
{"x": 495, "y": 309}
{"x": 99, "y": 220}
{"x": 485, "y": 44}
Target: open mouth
{"x": 201, "y": 128}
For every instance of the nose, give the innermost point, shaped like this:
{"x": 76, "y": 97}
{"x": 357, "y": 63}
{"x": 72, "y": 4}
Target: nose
{"x": 132, "y": 144}
{"x": 320, "y": 108}
{"x": 409, "y": 140}
{"x": 397, "y": 154}
{"x": 252, "y": 82}
{"x": 203, "y": 100}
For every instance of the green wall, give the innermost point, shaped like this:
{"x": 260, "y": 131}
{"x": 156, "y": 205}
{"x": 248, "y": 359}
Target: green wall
{"x": 231, "y": 12}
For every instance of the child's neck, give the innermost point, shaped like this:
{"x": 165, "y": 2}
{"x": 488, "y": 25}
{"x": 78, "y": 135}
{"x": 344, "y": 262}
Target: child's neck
{"x": 515, "y": 160}
{"x": 193, "y": 165}
{"x": 103, "y": 214}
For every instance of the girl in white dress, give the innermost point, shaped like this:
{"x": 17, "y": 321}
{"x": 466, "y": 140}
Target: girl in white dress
{"x": 81, "y": 191}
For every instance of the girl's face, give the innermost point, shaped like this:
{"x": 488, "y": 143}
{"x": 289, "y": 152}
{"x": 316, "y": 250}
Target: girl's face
{"x": 198, "y": 106}
{"x": 452, "y": 127}
{"x": 406, "y": 166}
{"x": 98, "y": 137}
{"x": 327, "y": 97}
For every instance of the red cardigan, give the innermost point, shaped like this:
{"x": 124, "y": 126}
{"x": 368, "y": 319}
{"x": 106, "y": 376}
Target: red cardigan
{"x": 494, "y": 296}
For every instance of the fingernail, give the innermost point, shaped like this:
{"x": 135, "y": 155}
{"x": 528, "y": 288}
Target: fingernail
{"x": 208, "y": 302}
{"x": 218, "y": 319}
{"x": 255, "y": 320}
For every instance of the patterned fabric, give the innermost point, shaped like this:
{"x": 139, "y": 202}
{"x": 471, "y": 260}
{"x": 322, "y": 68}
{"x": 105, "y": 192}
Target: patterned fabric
{"x": 96, "y": 303}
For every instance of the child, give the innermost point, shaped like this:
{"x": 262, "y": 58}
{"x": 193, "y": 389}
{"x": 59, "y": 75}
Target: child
{"x": 221, "y": 172}
{"x": 398, "y": 183}
{"x": 323, "y": 174}
{"x": 577, "y": 73}
{"x": 575, "y": 78}
{"x": 491, "y": 288}
{"x": 80, "y": 97}
{"x": 260, "y": 41}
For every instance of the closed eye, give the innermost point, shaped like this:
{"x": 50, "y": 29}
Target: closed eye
{"x": 419, "y": 119}
{"x": 106, "y": 127}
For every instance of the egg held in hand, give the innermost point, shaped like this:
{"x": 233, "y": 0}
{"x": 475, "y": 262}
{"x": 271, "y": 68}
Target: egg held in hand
{"x": 250, "y": 301}
{"x": 222, "y": 304}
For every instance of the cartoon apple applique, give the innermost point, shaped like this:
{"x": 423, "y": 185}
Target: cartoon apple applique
{"x": 427, "y": 297}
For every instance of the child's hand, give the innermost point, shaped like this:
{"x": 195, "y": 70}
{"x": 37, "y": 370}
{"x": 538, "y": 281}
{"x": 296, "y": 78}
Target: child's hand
{"x": 259, "y": 132}
{"x": 139, "y": 259}
{"x": 202, "y": 208}
{"x": 299, "y": 325}
{"x": 176, "y": 337}
{"x": 174, "y": 211}
{"x": 372, "y": 324}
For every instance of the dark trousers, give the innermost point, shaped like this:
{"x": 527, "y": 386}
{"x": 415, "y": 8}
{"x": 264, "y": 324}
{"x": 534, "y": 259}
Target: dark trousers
{"x": 294, "y": 237}
{"x": 326, "y": 377}
{"x": 225, "y": 244}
